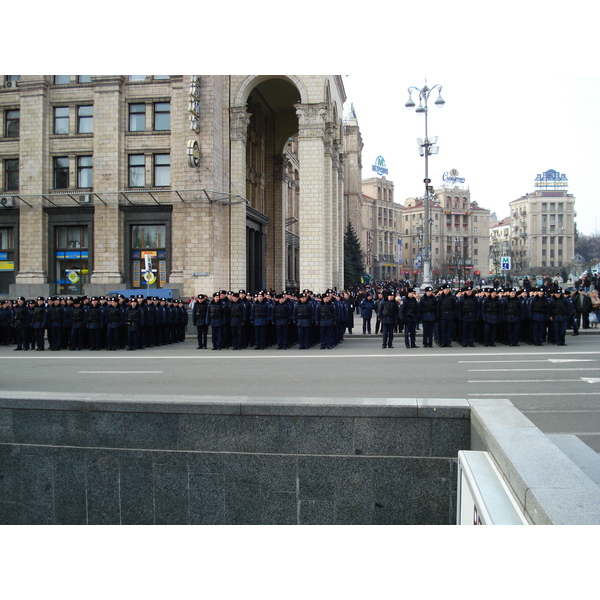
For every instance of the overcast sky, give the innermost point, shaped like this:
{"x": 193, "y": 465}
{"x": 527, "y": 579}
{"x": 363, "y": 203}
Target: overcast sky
{"x": 521, "y": 79}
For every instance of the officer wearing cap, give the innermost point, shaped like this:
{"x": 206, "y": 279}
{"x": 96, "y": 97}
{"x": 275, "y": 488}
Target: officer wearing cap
{"x": 20, "y": 320}
{"x": 537, "y": 311}
{"x": 56, "y": 318}
{"x": 302, "y": 317}
{"x": 446, "y": 315}
{"x": 561, "y": 311}
{"x": 467, "y": 313}
{"x": 39, "y": 322}
{"x": 410, "y": 315}
{"x": 217, "y": 319}
{"x": 78, "y": 318}
{"x": 5, "y": 322}
{"x": 260, "y": 316}
{"x": 388, "y": 313}
{"x": 135, "y": 322}
{"x": 94, "y": 322}
{"x": 199, "y": 320}
{"x": 237, "y": 318}
{"x": 114, "y": 324}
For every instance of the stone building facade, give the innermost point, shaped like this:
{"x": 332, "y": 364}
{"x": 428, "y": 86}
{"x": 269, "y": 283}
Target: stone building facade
{"x": 543, "y": 226}
{"x": 381, "y": 221}
{"x": 194, "y": 183}
{"x": 459, "y": 234}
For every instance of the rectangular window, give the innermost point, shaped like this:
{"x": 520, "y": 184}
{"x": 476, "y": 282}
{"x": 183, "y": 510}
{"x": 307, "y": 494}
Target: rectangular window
{"x": 72, "y": 258}
{"x": 61, "y": 79}
{"x": 137, "y": 117}
{"x": 162, "y": 170}
{"x": 7, "y": 261}
{"x": 85, "y": 119}
{"x": 137, "y": 170}
{"x": 84, "y": 172}
{"x": 162, "y": 116}
{"x": 148, "y": 236}
{"x": 61, "y": 120}
{"x": 12, "y": 123}
{"x": 11, "y": 174}
{"x": 84, "y": 79}
{"x": 61, "y": 172}
{"x": 137, "y": 77}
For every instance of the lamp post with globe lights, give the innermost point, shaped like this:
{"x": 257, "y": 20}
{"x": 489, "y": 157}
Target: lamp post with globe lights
{"x": 427, "y": 147}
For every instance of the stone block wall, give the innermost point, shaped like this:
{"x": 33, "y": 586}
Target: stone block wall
{"x": 99, "y": 460}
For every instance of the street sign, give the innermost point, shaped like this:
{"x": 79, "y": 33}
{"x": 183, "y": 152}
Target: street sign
{"x": 506, "y": 263}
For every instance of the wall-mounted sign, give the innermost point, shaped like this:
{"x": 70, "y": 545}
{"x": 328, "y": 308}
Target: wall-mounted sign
{"x": 551, "y": 180}
{"x": 194, "y": 103}
{"x": 452, "y": 177}
{"x": 193, "y": 154}
{"x": 379, "y": 166}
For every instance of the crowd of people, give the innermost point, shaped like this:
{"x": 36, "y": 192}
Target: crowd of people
{"x": 92, "y": 323}
{"x": 485, "y": 315}
{"x": 238, "y": 320}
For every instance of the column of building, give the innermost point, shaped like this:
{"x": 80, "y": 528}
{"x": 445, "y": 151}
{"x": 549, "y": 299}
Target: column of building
{"x": 312, "y": 211}
{"x": 35, "y": 173}
{"x": 108, "y": 234}
{"x": 239, "y": 121}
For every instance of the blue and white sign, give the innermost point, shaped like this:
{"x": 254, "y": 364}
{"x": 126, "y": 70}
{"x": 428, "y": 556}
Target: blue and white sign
{"x": 505, "y": 263}
{"x": 379, "y": 166}
{"x": 452, "y": 177}
{"x": 551, "y": 179}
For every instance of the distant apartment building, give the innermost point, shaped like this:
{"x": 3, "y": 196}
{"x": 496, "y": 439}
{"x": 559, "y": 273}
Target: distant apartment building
{"x": 381, "y": 218}
{"x": 543, "y": 226}
{"x": 459, "y": 232}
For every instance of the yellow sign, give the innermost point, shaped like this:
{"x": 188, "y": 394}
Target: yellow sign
{"x": 7, "y": 265}
{"x": 149, "y": 277}
{"x": 73, "y": 276}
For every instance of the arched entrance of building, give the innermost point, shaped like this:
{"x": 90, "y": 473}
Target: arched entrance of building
{"x": 286, "y": 160}
{"x": 272, "y": 186}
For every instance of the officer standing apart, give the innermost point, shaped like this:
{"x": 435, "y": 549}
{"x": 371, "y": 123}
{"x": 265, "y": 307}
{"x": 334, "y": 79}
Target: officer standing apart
{"x": 388, "y": 314}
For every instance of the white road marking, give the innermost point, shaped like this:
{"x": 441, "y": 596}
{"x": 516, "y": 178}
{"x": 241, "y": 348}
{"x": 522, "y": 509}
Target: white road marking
{"x": 120, "y": 372}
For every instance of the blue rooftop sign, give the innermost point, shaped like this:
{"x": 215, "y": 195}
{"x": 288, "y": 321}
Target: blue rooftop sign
{"x": 379, "y": 166}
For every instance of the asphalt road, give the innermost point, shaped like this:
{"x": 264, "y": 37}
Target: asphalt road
{"x": 558, "y": 388}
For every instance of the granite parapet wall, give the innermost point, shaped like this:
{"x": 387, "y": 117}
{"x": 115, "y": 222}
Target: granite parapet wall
{"x": 208, "y": 460}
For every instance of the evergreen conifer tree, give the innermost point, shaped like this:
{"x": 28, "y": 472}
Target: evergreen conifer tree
{"x": 353, "y": 258}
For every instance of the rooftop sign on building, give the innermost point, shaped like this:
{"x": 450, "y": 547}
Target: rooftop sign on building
{"x": 452, "y": 177}
{"x": 551, "y": 180}
{"x": 379, "y": 166}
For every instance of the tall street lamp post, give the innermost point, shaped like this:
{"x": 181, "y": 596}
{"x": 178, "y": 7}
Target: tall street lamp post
{"x": 427, "y": 147}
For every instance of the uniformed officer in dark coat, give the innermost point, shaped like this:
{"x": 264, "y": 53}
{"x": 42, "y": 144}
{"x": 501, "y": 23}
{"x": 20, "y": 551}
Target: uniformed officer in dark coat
{"x": 428, "y": 310}
{"x": 135, "y": 322}
{"x": 114, "y": 324}
{"x": 260, "y": 316}
{"x": 56, "y": 318}
{"x": 303, "y": 317}
{"x": 388, "y": 314}
{"x": 491, "y": 314}
{"x": 326, "y": 320}
{"x": 410, "y": 315}
{"x": 446, "y": 315}
{"x": 467, "y": 313}
{"x": 512, "y": 310}
{"x": 561, "y": 310}
{"x": 39, "y": 323}
{"x": 237, "y": 318}
{"x": 78, "y": 318}
{"x": 537, "y": 310}
{"x": 282, "y": 316}
{"x": 94, "y": 323}
{"x": 199, "y": 320}
{"x": 217, "y": 319}
{"x": 20, "y": 320}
